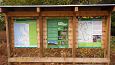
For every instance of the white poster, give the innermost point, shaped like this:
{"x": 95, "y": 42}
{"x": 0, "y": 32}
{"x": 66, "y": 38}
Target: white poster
{"x": 97, "y": 27}
{"x": 21, "y": 34}
{"x": 88, "y": 29}
{"x": 85, "y": 31}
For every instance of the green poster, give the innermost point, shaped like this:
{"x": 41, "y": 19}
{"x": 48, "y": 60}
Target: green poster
{"x": 25, "y": 33}
{"x": 57, "y": 33}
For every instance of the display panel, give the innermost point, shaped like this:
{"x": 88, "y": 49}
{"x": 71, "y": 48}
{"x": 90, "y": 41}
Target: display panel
{"x": 25, "y": 33}
{"x": 90, "y": 32}
{"x": 57, "y": 33}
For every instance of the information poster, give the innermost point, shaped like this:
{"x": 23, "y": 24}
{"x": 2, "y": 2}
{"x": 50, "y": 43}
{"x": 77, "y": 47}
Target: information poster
{"x": 89, "y": 33}
{"x": 25, "y": 34}
{"x": 57, "y": 33}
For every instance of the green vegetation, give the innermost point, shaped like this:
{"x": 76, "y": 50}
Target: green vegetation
{"x": 53, "y": 2}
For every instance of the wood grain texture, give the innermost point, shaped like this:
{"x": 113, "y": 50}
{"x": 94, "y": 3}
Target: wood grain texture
{"x": 55, "y": 59}
{"x": 22, "y": 14}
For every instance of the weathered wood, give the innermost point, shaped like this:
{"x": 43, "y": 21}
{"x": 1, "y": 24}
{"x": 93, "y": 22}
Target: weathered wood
{"x": 74, "y": 38}
{"x": 2, "y": 35}
{"x": 108, "y": 36}
{"x": 55, "y": 59}
{"x": 22, "y": 14}
{"x": 103, "y": 32}
{"x": 74, "y": 35}
{"x": 70, "y": 33}
{"x": 7, "y": 35}
{"x": 92, "y": 13}
{"x": 45, "y": 32}
{"x": 12, "y": 31}
{"x": 57, "y": 13}
{"x": 78, "y": 13}
{"x": 38, "y": 32}
{"x": 41, "y": 35}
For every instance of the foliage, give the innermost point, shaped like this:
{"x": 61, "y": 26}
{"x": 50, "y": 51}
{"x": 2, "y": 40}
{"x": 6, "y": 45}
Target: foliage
{"x": 36, "y": 2}
{"x": 86, "y": 1}
{"x": 2, "y": 23}
{"x": 113, "y": 24}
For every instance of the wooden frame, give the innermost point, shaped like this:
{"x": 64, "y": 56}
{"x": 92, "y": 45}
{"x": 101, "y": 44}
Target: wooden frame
{"x": 12, "y": 30}
{"x": 73, "y": 20}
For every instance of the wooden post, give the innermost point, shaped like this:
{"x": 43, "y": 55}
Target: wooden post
{"x": 104, "y": 36}
{"x": 70, "y": 32}
{"x": 44, "y": 32}
{"x": 7, "y": 35}
{"x": 41, "y": 36}
{"x": 74, "y": 38}
{"x": 108, "y": 36}
{"x": 38, "y": 32}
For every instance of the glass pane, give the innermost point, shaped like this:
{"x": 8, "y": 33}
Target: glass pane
{"x": 25, "y": 33}
{"x": 57, "y": 33}
{"x": 89, "y": 32}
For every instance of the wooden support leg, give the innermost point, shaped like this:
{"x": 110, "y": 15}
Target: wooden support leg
{"x": 7, "y": 35}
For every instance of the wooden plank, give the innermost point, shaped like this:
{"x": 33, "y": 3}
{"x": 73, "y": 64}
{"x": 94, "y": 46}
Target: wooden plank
{"x": 7, "y": 37}
{"x": 104, "y": 36}
{"x": 108, "y": 36}
{"x": 23, "y": 14}
{"x": 38, "y": 32}
{"x": 92, "y": 13}
{"x": 12, "y": 31}
{"x": 103, "y": 32}
{"x": 70, "y": 33}
{"x": 41, "y": 35}
{"x": 45, "y": 32}
{"x": 57, "y": 13}
{"x": 74, "y": 36}
{"x": 55, "y": 59}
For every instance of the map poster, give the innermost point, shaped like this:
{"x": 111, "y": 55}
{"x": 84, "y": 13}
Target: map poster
{"x": 25, "y": 33}
{"x": 21, "y": 34}
{"x": 89, "y": 33}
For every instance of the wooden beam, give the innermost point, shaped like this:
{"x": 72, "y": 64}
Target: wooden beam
{"x": 57, "y": 13}
{"x": 55, "y": 59}
{"x": 23, "y": 14}
{"x": 92, "y": 13}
